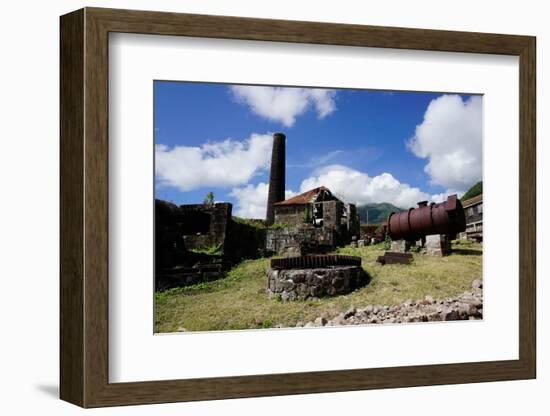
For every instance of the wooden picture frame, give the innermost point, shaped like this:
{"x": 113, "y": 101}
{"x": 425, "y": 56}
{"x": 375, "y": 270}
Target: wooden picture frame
{"x": 84, "y": 207}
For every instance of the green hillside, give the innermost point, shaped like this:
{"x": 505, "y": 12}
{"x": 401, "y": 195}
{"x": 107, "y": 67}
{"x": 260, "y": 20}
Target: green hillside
{"x": 377, "y": 213}
{"x": 475, "y": 190}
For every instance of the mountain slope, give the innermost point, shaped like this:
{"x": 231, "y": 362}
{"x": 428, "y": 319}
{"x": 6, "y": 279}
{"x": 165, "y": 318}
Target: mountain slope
{"x": 475, "y": 190}
{"x": 377, "y": 213}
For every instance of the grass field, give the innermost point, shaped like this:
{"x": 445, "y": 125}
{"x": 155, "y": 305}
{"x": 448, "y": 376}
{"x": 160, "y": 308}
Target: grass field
{"x": 239, "y": 301}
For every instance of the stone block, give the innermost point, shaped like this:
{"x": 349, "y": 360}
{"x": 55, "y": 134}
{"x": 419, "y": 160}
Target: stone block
{"x": 400, "y": 246}
{"x": 438, "y": 245}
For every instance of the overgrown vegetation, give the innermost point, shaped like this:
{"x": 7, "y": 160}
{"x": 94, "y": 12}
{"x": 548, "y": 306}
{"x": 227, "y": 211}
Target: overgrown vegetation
{"x": 475, "y": 190}
{"x": 245, "y": 238}
{"x": 415, "y": 248}
{"x": 250, "y": 222}
{"x": 239, "y": 301}
{"x": 209, "y": 198}
{"x": 307, "y": 215}
{"x": 386, "y": 244}
{"x": 215, "y": 250}
{"x": 278, "y": 226}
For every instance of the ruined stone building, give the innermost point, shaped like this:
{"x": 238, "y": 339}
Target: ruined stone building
{"x": 313, "y": 222}
{"x": 189, "y": 242}
{"x": 198, "y": 242}
{"x": 205, "y": 226}
{"x": 473, "y": 210}
{"x": 320, "y": 208}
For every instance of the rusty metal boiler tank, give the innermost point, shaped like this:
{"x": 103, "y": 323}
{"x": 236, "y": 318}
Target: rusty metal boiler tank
{"x": 427, "y": 219}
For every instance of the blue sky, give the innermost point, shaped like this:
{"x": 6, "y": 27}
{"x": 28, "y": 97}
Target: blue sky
{"x": 365, "y": 145}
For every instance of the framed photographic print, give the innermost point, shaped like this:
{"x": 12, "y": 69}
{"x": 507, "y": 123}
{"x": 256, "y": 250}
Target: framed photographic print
{"x": 255, "y": 207}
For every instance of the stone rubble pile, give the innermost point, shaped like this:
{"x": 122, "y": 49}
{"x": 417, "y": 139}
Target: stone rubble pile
{"x": 467, "y": 306}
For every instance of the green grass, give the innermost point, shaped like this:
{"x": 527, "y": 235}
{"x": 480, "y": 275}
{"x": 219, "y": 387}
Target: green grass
{"x": 239, "y": 301}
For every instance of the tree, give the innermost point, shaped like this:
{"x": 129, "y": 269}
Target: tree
{"x": 209, "y": 200}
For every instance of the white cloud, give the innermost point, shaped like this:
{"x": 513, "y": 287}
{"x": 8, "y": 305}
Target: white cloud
{"x": 318, "y": 160}
{"x": 252, "y": 200}
{"x": 450, "y": 137}
{"x": 226, "y": 163}
{"x": 284, "y": 104}
{"x": 348, "y": 184}
{"x": 358, "y": 187}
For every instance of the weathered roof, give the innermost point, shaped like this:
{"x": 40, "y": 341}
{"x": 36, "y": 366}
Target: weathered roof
{"x": 304, "y": 198}
{"x": 472, "y": 201}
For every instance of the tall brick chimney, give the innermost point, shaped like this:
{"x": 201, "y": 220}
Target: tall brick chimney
{"x": 277, "y": 176}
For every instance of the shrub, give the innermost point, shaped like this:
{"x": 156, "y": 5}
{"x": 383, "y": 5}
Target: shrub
{"x": 387, "y": 242}
{"x": 209, "y": 198}
{"x": 279, "y": 226}
{"x": 415, "y": 248}
{"x": 307, "y": 215}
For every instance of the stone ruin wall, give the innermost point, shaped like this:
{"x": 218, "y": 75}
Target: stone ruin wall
{"x": 354, "y": 223}
{"x": 182, "y": 231}
{"x": 217, "y": 230}
{"x": 291, "y": 215}
{"x": 332, "y": 214}
{"x": 294, "y": 284}
{"x": 300, "y": 240}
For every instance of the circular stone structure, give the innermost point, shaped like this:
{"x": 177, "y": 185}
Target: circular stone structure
{"x": 310, "y": 277}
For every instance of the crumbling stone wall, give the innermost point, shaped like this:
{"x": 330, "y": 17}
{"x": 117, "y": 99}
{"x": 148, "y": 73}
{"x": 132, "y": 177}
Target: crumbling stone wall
{"x": 301, "y": 240}
{"x": 293, "y": 284}
{"x": 195, "y": 243}
{"x": 169, "y": 246}
{"x": 245, "y": 240}
{"x": 332, "y": 214}
{"x": 354, "y": 223}
{"x": 292, "y": 215}
{"x": 214, "y": 234}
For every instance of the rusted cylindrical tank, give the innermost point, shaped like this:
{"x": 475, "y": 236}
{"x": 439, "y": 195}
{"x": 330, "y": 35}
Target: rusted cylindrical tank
{"x": 443, "y": 218}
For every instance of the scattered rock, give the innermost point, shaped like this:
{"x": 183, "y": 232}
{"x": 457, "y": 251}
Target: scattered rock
{"x": 339, "y": 320}
{"x": 290, "y": 295}
{"x": 451, "y": 315}
{"x": 321, "y": 321}
{"x": 477, "y": 284}
{"x": 350, "y": 312}
{"x": 467, "y": 306}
